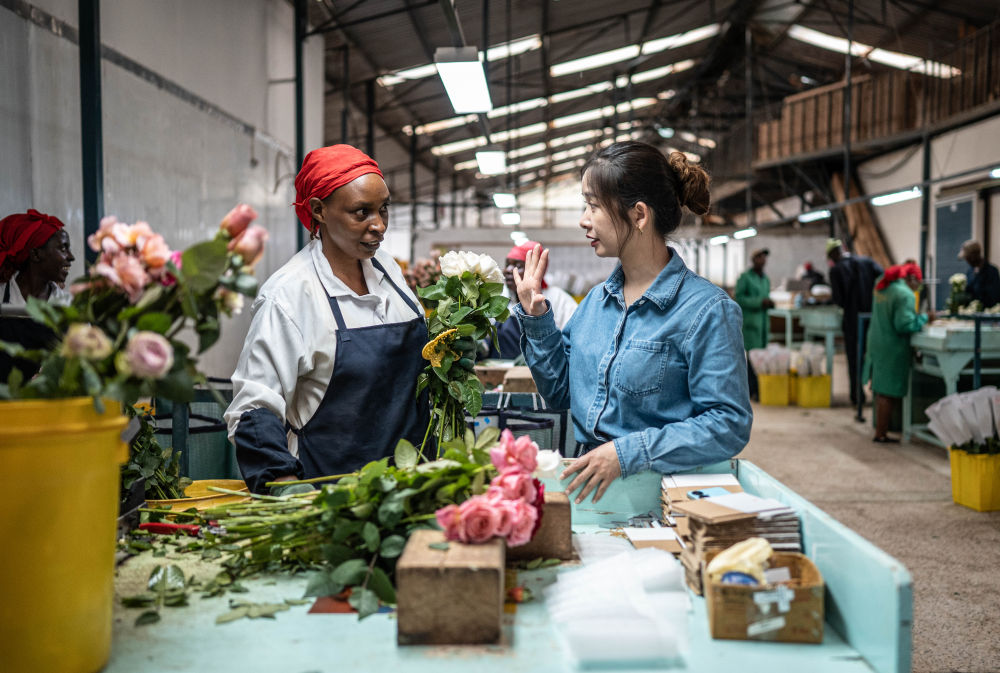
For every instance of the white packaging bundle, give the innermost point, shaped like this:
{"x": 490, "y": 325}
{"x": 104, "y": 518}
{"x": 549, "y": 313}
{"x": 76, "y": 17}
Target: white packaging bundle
{"x": 627, "y": 609}
{"x": 812, "y": 358}
{"x": 962, "y": 417}
{"x": 597, "y": 546}
{"x": 774, "y": 359}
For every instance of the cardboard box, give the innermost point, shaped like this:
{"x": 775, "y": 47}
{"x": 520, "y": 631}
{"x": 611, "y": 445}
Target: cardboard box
{"x": 518, "y": 380}
{"x": 452, "y": 596}
{"x": 788, "y": 612}
{"x": 554, "y": 538}
{"x": 490, "y": 375}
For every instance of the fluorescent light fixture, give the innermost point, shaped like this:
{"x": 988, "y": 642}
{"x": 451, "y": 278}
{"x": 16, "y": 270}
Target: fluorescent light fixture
{"x": 526, "y": 150}
{"x": 995, "y": 173}
{"x": 665, "y": 132}
{"x": 503, "y": 200}
{"x": 463, "y": 78}
{"x": 744, "y": 233}
{"x": 530, "y": 163}
{"x": 511, "y": 219}
{"x": 814, "y": 215}
{"x": 518, "y": 237}
{"x": 718, "y": 240}
{"x": 893, "y": 59}
{"x": 598, "y": 113}
{"x": 896, "y": 197}
{"x": 657, "y": 73}
{"x": 491, "y": 162}
{"x": 631, "y": 51}
{"x": 466, "y": 165}
{"x": 494, "y": 53}
{"x": 458, "y": 146}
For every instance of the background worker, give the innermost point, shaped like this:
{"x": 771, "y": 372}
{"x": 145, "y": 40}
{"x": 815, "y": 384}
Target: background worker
{"x": 753, "y": 290}
{"x": 888, "y": 356}
{"x": 509, "y": 331}
{"x": 852, "y": 279}
{"x": 35, "y": 259}
{"x": 982, "y": 278}
{"x": 327, "y": 378}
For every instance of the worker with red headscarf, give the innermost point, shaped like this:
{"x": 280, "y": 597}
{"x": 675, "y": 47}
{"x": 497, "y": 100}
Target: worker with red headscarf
{"x": 35, "y": 259}
{"x": 327, "y": 377}
{"x": 887, "y": 356}
{"x": 509, "y": 331}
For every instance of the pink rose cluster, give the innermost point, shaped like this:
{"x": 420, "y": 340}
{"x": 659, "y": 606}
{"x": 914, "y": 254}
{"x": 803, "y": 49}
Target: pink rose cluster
{"x": 131, "y": 255}
{"x": 511, "y": 508}
{"x": 244, "y": 239}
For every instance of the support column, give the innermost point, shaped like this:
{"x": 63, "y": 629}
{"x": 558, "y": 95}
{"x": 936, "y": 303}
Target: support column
{"x": 91, "y": 134}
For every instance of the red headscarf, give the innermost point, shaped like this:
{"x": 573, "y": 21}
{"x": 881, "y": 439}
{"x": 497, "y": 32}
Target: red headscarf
{"x": 894, "y": 273}
{"x": 23, "y": 232}
{"x": 326, "y": 169}
{"x": 520, "y": 253}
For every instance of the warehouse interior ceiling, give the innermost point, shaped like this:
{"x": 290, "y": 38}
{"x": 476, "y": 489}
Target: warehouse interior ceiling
{"x": 565, "y": 75}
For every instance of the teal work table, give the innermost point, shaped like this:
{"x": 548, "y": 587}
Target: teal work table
{"x": 869, "y": 607}
{"x": 947, "y": 352}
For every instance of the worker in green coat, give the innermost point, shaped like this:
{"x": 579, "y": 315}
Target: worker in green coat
{"x": 887, "y": 357}
{"x": 753, "y": 291}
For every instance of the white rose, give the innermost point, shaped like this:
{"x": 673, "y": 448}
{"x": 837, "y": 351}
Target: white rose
{"x": 489, "y": 270}
{"x": 469, "y": 261}
{"x": 451, "y": 264}
{"x": 957, "y": 278}
{"x": 548, "y": 466}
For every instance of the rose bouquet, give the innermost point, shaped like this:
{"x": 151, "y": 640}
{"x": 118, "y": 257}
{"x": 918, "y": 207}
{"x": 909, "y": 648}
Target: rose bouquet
{"x": 464, "y": 303}
{"x": 958, "y": 297}
{"x": 118, "y": 338}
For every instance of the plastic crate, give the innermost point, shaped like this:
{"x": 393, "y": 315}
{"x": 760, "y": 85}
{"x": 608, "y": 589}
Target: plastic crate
{"x": 975, "y": 480}
{"x": 773, "y": 389}
{"x": 812, "y": 391}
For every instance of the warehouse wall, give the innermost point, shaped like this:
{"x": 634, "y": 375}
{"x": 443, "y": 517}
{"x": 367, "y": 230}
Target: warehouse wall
{"x": 192, "y": 123}
{"x": 966, "y": 148}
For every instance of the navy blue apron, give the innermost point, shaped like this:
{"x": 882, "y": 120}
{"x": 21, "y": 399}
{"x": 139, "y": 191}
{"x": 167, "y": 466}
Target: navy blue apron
{"x": 25, "y": 331}
{"x": 369, "y": 403}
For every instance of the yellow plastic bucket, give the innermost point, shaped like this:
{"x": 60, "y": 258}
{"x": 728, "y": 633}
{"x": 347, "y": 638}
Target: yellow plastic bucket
{"x": 200, "y": 496}
{"x": 975, "y": 480}
{"x": 773, "y": 389}
{"x": 813, "y": 391}
{"x": 60, "y": 504}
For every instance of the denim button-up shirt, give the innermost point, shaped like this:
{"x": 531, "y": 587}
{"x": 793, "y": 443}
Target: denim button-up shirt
{"x": 665, "y": 378}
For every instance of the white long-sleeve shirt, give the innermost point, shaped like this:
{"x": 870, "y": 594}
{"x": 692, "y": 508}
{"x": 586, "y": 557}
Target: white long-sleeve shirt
{"x": 290, "y": 350}
{"x": 17, "y": 302}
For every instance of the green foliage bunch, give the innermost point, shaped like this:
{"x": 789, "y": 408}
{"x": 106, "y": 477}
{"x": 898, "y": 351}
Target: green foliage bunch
{"x": 465, "y": 304}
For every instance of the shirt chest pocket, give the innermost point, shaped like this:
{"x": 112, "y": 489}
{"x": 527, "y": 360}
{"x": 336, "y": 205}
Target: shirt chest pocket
{"x": 641, "y": 366}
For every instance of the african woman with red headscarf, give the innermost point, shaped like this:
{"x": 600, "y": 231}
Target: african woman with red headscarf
{"x": 35, "y": 259}
{"x": 887, "y": 356}
{"x": 327, "y": 377}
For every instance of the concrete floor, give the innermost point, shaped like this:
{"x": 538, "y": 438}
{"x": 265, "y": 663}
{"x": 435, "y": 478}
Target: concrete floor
{"x": 898, "y": 496}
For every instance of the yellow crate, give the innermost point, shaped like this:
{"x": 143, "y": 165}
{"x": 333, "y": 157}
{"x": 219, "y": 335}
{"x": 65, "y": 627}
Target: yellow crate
{"x": 975, "y": 480}
{"x": 773, "y": 389}
{"x": 813, "y": 391}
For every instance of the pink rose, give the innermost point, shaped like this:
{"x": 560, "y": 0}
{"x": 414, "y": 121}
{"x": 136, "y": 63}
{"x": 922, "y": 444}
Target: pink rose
{"x": 516, "y": 484}
{"x": 155, "y": 252}
{"x": 139, "y": 233}
{"x": 149, "y": 355}
{"x": 525, "y": 518}
{"x": 236, "y": 221}
{"x": 250, "y": 244}
{"x": 479, "y": 519}
{"x": 509, "y": 513}
{"x": 521, "y": 452}
{"x": 168, "y": 278}
{"x": 450, "y": 521}
{"x": 125, "y": 272}
{"x": 95, "y": 239}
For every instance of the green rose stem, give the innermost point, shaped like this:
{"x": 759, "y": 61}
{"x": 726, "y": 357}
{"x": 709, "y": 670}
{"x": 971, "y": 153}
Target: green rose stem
{"x": 314, "y": 480}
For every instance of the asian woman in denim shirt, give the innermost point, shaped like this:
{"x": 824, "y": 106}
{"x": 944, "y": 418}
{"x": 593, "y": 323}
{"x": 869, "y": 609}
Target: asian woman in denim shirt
{"x": 651, "y": 364}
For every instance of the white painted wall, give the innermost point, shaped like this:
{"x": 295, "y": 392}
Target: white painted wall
{"x": 166, "y": 160}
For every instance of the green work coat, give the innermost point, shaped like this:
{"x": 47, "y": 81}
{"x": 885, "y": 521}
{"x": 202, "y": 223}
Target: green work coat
{"x": 751, "y": 291}
{"x": 887, "y": 358}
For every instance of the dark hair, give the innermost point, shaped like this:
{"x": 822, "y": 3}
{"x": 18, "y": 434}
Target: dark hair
{"x": 623, "y": 174}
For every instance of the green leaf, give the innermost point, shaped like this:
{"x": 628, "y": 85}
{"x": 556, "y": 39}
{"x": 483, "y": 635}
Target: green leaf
{"x": 380, "y": 583}
{"x": 147, "y": 617}
{"x": 405, "y": 455}
{"x": 472, "y": 397}
{"x": 171, "y": 577}
{"x": 370, "y": 534}
{"x": 233, "y": 615}
{"x": 459, "y": 315}
{"x": 364, "y": 601}
{"x": 246, "y": 285}
{"x": 487, "y": 438}
{"x": 433, "y": 292}
{"x": 349, "y": 572}
{"x": 496, "y": 306}
{"x": 441, "y": 546}
{"x": 177, "y": 386}
{"x": 466, "y": 329}
{"x": 363, "y": 510}
{"x": 392, "y": 546}
{"x": 322, "y": 584}
{"x": 203, "y": 263}
{"x": 143, "y": 600}
{"x": 154, "y": 322}
{"x": 209, "y": 331}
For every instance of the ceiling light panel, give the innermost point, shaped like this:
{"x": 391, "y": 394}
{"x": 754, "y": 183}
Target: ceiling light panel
{"x": 626, "y": 53}
{"x": 495, "y": 53}
{"x": 893, "y": 59}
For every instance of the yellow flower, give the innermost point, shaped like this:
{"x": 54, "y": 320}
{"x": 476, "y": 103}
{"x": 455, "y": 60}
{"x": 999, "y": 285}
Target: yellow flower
{"x": 437, "y": 347}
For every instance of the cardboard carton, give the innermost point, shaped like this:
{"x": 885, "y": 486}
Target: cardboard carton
{"x": 554, "y": 538}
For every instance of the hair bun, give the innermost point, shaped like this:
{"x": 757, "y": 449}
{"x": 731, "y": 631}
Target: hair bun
{"x": 694, "y": 182}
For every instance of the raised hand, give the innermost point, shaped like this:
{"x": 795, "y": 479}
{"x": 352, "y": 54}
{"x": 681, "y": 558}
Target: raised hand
{"x": 529, "y": 288}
